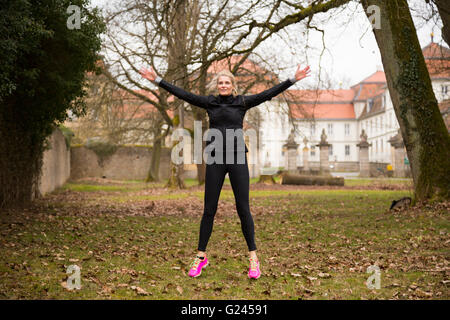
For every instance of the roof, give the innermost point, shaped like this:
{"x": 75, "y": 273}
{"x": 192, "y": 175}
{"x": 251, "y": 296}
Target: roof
{"x": 321, "y": 96}
{"x": 322, "y": 111}
{"x": 371, "y": 86}
{"x": 435, "y": 51}
{"x": 321, "y": 104}
{"x": 437, "y": 59}
{"x": 247, "y": 68}
{"x": 377, "y": 77}
{"x": 376, "y": 107}
{"x": 366, "y": 91}
{"x": 339, "y": 104}
{"x": 135, "y": 108}
{"x": 250, "y": 76}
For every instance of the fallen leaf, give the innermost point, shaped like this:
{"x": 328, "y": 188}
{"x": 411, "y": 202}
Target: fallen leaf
{"x": 139, "y": 291}
{"x": 423, "y": 294}
{"x": 180, "y": 289}
{"x": 324, "y": 275}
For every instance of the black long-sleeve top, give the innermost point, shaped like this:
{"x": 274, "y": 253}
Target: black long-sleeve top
{"x": 226, "y": 112}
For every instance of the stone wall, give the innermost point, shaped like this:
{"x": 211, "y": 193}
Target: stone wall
{"x": 56, "y": 164}
{"x": 127, "y": 163}
{"x": 378, "y": 169}
{"x": 344, "y": 166}
{"x": 131, "y": 163}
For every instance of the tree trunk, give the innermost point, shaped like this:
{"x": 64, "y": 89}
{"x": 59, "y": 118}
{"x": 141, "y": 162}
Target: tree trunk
{"x": 201, "y": 173}
{"x": 175, "y": 180}
{"x": 423, "y": 130}
{"x": 177, "y": 70}
{"x": 201, "y": 114}
{"x": 158, "y": 138}
{"x": 153, "y": 172}
{"x": 21, "y": 155}
{"x": 290, "y": 178}
{"x": 201, "y": 167}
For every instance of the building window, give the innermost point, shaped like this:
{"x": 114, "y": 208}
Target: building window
{"x": 312, "y": 129}
{"x": 330, "y": 150}
{"x": 347, "y": 150}
{"x": 381, "y": 146}
{"x": 444, "y": 89}
{"x": 330, "y": 129}
{"x": 369, "y": 104}
{"x": 313, "y": 151}
{"x": 347, "y": 129}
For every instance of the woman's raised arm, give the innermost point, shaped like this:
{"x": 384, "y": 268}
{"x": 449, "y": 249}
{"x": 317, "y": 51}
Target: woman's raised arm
{"x": 196, "y": 100}
{"x": 256, "y": 99}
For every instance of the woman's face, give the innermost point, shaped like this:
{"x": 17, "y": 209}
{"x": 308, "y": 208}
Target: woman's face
{"x": 224, "y": 86}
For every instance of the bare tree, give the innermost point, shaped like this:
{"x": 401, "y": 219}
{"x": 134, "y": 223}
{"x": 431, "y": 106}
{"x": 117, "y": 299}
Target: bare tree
{"x": 113, "y": 115}
{"x": 444, "y": 11}
{"x": 183, "y": 50}
{"x": 149, "y": 33}
{"x": 181, "y": 40}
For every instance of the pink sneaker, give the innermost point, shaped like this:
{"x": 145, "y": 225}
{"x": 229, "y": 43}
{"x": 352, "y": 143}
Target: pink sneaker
{"x": 197, "y": 266}
{"x": 254, "y": 272}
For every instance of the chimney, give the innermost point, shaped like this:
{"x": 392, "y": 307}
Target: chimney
{"x": 432, "y": 36}
{"x": 379, "y": 67}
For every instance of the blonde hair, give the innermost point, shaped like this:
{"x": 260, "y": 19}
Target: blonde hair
{"x": 212, "y": 86}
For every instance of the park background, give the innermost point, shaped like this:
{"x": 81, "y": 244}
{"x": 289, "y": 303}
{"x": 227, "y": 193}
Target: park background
{"x": 101, "y": 193}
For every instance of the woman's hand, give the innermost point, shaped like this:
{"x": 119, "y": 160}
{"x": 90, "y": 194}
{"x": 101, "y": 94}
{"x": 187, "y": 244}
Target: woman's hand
{"x": 300, "y": 74}
{"x": 149, "y": 74}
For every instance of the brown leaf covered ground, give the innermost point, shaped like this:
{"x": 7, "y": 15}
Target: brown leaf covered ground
{"x": 133, "y": 240}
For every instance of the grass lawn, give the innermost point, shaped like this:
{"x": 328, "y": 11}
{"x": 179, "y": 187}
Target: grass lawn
{"x": 133, "y": 240}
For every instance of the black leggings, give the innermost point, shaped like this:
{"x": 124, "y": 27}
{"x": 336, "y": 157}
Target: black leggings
{"x": 240, "y": 181}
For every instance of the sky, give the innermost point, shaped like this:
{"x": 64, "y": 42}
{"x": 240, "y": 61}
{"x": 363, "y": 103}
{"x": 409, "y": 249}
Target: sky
{"x": 351, "y": 50}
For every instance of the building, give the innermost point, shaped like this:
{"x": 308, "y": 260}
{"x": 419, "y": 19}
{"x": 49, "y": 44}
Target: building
{"x": 343, "y": 114}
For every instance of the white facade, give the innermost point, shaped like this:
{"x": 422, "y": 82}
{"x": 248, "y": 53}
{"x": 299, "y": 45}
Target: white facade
{"x": 342, "y": 134}
{"x": 273, "y": 133}
{"x": 384, "y": 125}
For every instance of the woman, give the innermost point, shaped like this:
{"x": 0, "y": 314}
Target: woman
{"x": 226, "y": 110}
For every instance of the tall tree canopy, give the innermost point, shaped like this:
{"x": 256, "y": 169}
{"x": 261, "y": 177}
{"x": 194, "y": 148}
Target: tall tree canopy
{"x": 42, "y": 76}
